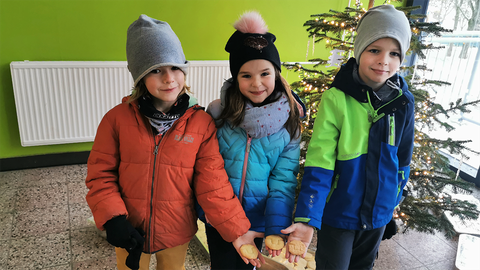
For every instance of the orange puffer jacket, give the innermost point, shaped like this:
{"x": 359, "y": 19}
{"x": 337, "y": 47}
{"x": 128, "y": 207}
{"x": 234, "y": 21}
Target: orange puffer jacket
{"x": 154, "y": 180}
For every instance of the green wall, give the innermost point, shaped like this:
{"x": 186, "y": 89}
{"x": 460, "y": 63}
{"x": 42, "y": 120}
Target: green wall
{"x": 95, "y": 30}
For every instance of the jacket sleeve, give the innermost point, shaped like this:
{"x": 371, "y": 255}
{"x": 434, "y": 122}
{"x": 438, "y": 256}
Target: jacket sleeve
{"x": 405, "y": 149}
{"x": 281, "y": 189}
{"x": 214, "y": 192}
{"x": 319, "y": 163}
{"x": 103, "y": 197}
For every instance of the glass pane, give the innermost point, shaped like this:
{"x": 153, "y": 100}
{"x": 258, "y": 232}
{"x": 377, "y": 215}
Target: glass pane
{"x": 458, "y": 63}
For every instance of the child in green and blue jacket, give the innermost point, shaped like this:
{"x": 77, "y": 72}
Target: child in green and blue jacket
{"x": 360, "y": 151}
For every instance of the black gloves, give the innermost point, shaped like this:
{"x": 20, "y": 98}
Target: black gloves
{"x": 121, "y": 233}
{"x": 390, "y": 230}
{"x": 134, "y": 254}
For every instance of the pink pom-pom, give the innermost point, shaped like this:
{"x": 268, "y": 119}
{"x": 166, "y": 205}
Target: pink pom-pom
{"x": 251, "y": 22}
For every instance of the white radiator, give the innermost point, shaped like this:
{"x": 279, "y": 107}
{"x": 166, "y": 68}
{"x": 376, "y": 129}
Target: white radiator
{"x": 60, "y": 102}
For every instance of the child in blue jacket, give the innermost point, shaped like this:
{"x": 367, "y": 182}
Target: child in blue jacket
{"x": 258, "y": 121}
{"x": 358, "y": 158}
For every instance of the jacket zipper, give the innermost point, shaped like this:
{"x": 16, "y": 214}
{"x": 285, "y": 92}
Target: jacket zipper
{"x": 155, "y": 152}
{"x": 244, "y": 172}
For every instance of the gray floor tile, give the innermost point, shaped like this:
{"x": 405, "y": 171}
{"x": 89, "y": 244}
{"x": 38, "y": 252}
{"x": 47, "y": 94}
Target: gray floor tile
{"x": 48, "y": 195}
{"x": 87, "y": 244}
{"x": 392, "y": 256}
{"x": 6, "y": 224}
{"x": 40, "y": 221}
{"x": 4, "y": 247}
{"x": 8, "y": 197}
{"x": 426, "y": 248}
{"x": 104, "y": 263}
{"x": 39, "y": 252}
{"x": 190, "y": 262}
{"x": 41, "y": 176}
{"x": 60, "y": 267}
{"x": 9, "y": 179}
{"x": 451, "y": 242}
{"x": 79, "y": 213}
{"x": 76, "y": 173}
{"x": 199, "y": 254}
{"x": 153, "y": 263}
{"x": 443, "y": 265}
{"x": 77, "y": 192}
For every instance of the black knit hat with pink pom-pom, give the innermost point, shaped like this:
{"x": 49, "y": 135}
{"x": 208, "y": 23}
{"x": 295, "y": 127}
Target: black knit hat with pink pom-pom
{"x": 251, "y": 41}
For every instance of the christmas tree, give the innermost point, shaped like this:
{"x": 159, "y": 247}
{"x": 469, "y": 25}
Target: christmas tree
{"x": 430, "y": 178}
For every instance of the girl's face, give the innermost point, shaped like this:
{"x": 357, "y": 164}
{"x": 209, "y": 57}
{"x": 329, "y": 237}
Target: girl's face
{"x": 256, "y": 80}
{"x": 379, "y": 61}
{"x": 165, "y": 84}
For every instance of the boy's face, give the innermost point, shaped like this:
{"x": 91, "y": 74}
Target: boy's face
{"x": 165, "y": 84}
{"x": 379, "y": 61}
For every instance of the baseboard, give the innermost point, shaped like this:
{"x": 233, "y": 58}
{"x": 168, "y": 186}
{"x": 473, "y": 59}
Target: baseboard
{"x": 39, "y": 161}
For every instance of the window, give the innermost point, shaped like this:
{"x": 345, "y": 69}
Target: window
{"x": 459, "y": 64}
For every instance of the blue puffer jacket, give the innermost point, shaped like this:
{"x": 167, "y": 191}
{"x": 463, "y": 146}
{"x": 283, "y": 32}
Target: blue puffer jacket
{"x": 358, "y": 157}
{"x": 271, "y": 173}
{"x": 272, "y": 167}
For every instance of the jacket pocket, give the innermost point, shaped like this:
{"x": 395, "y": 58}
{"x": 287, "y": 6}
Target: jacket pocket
{"x": 388, "y": 180}
{"x": 391, "y": 130}
{"x": 402, "y": 181}
{"x": 334, "y": 186}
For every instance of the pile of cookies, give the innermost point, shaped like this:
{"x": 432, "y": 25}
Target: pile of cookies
{"x": 275, "y": 242}
{"x": 303, "y": 264}
{"x": 295, "y": 247}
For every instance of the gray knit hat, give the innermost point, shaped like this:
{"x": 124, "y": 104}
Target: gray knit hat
{"x": 151, "y": 44}
{"x": 381, "y": 22}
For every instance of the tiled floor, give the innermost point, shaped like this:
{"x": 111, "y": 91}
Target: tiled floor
{"x": 43, "y": 225}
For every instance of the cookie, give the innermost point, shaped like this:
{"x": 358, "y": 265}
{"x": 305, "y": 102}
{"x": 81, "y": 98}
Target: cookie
{"x": 302, "y": 263}
{"x": 249, "y": 251}
{"x": 296, "y": 247}
{"x": 309, "y": 257}
{"x": 274, "y": 242}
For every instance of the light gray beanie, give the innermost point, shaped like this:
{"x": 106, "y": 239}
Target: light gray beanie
{"x": 151, "y": 44}
{"x": 381, "y": 22}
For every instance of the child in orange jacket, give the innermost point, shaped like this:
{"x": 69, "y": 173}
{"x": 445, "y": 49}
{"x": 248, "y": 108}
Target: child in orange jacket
{"x": 154, "y": 155}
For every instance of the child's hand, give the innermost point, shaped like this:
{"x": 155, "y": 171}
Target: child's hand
{"x": 298, "y": 231}
{"x": 247, "y": 238}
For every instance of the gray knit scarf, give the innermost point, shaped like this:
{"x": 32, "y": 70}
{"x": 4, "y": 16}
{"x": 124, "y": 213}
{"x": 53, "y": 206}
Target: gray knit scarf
{"x": 267, "y": 119}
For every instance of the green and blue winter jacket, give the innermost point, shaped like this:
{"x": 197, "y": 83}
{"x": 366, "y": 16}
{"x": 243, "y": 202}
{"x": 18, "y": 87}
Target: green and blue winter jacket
{"x": 358, "y": 158}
